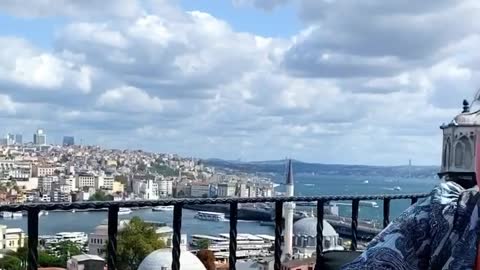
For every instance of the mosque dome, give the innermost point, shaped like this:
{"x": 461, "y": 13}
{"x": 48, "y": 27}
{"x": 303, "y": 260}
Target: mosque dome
{"x": 467, "y": 118}
{"x": 163, "y": 258}
{"x": 308, "y": 227}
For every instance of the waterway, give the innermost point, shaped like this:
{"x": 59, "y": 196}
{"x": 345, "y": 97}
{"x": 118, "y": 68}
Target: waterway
{"x": 305, "y": 186}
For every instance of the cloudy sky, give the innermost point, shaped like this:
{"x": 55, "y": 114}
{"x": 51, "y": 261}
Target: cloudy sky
{"x": 334, "y": 81}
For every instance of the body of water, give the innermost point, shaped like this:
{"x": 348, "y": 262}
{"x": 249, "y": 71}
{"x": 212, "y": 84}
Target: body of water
{"x": 305, "y": 185}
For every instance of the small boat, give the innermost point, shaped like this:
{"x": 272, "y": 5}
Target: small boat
{"x": 17, "y": 215}
{"x": 365, "y": 182}
{"x": 73, "y": 211}
{"x": 43, "y": 213}
{"x": 397, "y": 188}
{"x": 210, "y": 216}
{"x": 163, "y": 208}
{"x": 124, "y": 211}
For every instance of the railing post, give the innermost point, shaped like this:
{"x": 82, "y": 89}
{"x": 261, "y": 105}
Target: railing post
{"x": 278, "y": 235}
{"x": 112, "y": 237}
{"x": 32, "y": 256}
{"x": 319, "y": 247}
{"x": 233, "y": 236}
{"x": 386, "y": 212}
{"x": 414, "y": 200}
{"x": 355, "y": 206}
{"x": 177, "y": 237}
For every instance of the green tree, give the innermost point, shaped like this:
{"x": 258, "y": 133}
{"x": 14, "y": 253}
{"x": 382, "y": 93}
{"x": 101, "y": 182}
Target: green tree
{"x": 203, "y": 244}
{"x": 11, "y": 263}
{"x": 64, "y": 250}
{"x": 135, "y": 242}
{"x": 46, "y": 259}
{"x": 100, "y": 195}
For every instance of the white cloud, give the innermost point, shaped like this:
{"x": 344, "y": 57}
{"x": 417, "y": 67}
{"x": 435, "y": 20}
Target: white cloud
{"x": 361, "y": 77}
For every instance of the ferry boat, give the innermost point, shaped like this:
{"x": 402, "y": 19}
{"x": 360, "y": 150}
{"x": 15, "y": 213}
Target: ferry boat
{"x": 76, "y": 237}
{"x": 124, "y": 211}
{"x": 163, "y": 208}
{"x": 210, "y": 216}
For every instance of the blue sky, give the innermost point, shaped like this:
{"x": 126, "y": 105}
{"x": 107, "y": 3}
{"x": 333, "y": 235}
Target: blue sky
{"x": 322, "y": 81}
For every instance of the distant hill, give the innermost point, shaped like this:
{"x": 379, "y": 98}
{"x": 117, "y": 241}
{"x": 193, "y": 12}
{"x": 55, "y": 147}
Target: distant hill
{"x": 278, "y": 167}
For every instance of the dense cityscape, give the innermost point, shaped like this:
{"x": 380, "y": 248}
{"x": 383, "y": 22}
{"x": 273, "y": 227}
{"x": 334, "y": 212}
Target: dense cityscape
{"x": 36, "y": 172}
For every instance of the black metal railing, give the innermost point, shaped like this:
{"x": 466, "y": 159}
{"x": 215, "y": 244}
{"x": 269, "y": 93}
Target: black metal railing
{"x": 33, "y": 209}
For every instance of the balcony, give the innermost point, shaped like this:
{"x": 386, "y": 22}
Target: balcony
{"x": 113, "y": 208}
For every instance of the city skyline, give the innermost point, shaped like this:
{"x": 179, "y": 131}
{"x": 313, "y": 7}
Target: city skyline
{"x": 241, "y": 79}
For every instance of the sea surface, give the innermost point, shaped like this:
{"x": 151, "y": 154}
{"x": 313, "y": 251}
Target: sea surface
{"x": 305, "y": 185}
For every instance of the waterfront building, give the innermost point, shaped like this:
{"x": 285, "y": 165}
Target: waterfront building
{"x": 40, "y": 138}
{"x": 85, "y": 180}
{"x": 199, "y": 190}
{"x": 11, "y": 238}
{"x": 68, "y": 140}
{"x": 86, "y": 262}
{"x": 226, "y": 189}
{"x": 162, "y": 260}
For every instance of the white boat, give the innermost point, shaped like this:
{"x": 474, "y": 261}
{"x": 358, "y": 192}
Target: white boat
{"x": 43, "y": 213}
{"x": 124, "y": 211}
{"x": 163, "y": 208}
{"x": 210, "y": 216}
{"x": 73, "y": 211}
{"x": 365, "y": 182}
{"x": 397, "y": 188}
{"x": 369, "y": 204}
{"x": 6, "y": 214}
{"x": 17, "y": 215}
{"x": 76, "y": 237}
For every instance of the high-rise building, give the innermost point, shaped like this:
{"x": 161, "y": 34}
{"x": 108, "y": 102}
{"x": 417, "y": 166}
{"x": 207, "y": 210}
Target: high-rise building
{"x": 10, "y": 139}
{"x": 68, "y": 140}
{"x": 40, "y": 138}
{"x": 18, "y": 139}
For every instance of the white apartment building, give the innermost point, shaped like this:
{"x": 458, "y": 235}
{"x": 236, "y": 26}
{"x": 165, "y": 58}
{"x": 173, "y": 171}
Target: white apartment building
{"x": 85, "y": 180}
{"x": 11, "y": 238}
{"x": 43, "y": 170}
{"x": 30, "y": 184}
{"x": 146, "y": 189}
{"x": 165, "y": 188}
{"x": 105, "y": 182}
{"x": 226, "y": 189}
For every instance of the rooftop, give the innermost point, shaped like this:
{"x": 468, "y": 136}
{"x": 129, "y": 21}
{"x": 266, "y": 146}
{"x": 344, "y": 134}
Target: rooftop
{"x": 87, "y": 257}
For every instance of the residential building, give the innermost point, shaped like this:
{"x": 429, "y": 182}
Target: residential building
{"x": 199, "y": 190}
{"x": 11, "y": 238}
{"x": 85, "y": 180}
{"x": 165, "y": 188}
{"x": 118, "y": 187}
{"x": 40, "y": 138}
{"x": 68, "y": 140}
{"x": 43, "y": 170}
{"x": 226, "y": 189}
{"x": 45, "y": 183}
{"x": 105, "y": 182}
{"x": 86, "y": 262}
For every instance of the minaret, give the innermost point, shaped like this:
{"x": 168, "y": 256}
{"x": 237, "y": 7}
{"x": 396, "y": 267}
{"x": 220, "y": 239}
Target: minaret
{"x": 289, "y": 208}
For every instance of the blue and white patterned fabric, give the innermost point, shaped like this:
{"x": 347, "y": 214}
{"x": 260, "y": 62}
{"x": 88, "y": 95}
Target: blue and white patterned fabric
{"x": 438, "y": 232}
